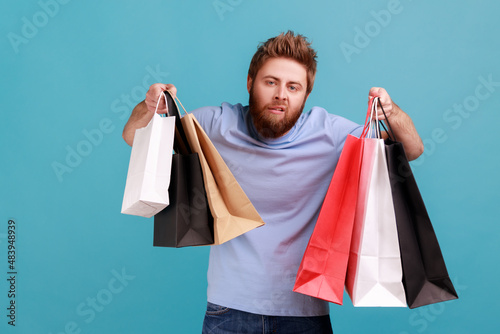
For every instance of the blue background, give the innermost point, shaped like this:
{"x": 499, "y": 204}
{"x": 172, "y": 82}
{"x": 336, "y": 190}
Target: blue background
{"x": 74, "y": 70}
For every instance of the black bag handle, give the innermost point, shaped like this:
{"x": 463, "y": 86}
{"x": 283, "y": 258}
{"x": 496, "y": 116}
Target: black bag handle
{"x": 390, "y": 133}
{"x": 181, "y": 144}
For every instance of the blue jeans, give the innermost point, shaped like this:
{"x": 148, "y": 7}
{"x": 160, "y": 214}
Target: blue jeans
{"x": 223, "y": 320}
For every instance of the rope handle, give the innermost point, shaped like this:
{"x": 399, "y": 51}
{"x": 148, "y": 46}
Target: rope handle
{"x": 158, "y": 103}
{"x": 181, "y": 143}
{"x": 174, "y": 100}
{"x": 371, "y": 120}
{"x": 374, "y": 121}
{"x": 390, "y": 132}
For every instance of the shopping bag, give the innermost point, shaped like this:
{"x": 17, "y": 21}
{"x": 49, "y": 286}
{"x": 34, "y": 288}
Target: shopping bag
{"x": 322, "y": 270}
{"x": 231, "y": 209}
{"x": 187, "y": 220}
{"x": 374, "y": 272}
{"x": 425, "y": 277}
{"x": 148, "y": 176}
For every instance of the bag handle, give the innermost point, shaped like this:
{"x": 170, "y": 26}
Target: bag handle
{"x": 367, "y": 121}
{"x": 181, "y": 144}
{"x": 374, "y": 122}
{"x": 158, "y": 104}
{"x": 390, "y": 132}
{"x": 371, "y": 121}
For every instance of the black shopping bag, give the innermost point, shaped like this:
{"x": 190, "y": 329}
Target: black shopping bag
{"x": 187, "y": 220}
{"x": 425, "y": 278}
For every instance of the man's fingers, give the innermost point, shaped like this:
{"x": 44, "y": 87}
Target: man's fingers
{"x": 171, "y": 88}
{"x": 154, "y": 95}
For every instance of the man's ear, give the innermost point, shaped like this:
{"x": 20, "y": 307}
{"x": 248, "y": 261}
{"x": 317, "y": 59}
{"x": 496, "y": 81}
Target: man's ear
{"x": 249, "y": 84}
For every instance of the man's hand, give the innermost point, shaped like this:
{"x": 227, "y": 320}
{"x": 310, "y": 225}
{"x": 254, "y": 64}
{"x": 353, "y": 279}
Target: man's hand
{"x": 154, "y": 93}
{"x": 401, "y": 123}
{"x": 390, "y": 107}
{"x": 144, "y": 111}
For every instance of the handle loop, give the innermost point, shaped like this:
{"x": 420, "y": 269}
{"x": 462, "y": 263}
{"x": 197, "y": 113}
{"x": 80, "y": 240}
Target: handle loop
{"x": 374, "y": 121}
{"x": 367, "y": 121}
{"x": 390, "y": 132}
{"x": 158, "y": 103}
{"x": 181, "y": 144}
{"x": 173, "y": 100}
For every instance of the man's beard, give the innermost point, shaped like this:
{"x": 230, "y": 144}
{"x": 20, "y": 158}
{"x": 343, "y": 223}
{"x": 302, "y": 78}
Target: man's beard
{"x": 267, "y": 124}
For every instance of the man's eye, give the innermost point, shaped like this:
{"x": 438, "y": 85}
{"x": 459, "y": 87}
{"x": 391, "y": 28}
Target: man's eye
{"x": 270, "y": 83}
{"x": 292, "y": 88}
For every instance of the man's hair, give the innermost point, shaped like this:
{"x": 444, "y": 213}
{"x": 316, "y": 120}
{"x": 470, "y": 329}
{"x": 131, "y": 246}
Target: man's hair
{"x": 286, "y": 45}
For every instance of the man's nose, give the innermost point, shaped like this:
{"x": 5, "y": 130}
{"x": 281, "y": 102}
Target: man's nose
{"x": 280, "y": 93}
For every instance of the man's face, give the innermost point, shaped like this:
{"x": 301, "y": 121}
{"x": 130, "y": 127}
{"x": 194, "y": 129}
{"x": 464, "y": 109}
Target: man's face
{"x": 277, "y": 96}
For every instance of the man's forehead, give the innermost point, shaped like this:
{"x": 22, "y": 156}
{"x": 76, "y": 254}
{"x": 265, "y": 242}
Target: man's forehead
{"x": 283, "y": 68}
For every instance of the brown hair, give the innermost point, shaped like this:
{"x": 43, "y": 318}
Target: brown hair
{"x": 287, "y": 45}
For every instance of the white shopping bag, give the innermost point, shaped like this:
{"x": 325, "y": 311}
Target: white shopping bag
{"x": 148, "y": 177}
{"x": 374, "y": 275}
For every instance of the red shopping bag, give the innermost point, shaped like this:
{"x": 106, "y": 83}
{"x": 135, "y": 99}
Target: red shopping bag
{"x": 322, "y": 271}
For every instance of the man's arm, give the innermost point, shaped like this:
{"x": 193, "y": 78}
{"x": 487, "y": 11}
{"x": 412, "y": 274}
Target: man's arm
{"x": 139, "y": 118}
{"x": 144, "y": 111}
{"x": 401, "y": 124}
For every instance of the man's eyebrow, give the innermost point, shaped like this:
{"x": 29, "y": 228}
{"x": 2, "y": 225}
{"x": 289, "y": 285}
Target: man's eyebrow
{"x": 276, "y": 79}
{"x": 271, "y": 77}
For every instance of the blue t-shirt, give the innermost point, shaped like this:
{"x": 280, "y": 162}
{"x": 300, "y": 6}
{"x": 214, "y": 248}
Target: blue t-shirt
{"x": 286, "y": 179}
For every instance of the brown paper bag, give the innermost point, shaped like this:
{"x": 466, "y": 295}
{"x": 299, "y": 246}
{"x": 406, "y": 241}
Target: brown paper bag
{"x": 233, "y": 212}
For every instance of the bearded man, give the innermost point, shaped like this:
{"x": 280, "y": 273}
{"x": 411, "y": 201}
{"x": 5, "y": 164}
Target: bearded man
{"x": 284, "y": 159}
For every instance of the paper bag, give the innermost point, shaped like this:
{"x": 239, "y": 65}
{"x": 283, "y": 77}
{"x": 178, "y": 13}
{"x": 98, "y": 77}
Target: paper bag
{"x": 148, "y": 177}
{"x": 231, "y": 209}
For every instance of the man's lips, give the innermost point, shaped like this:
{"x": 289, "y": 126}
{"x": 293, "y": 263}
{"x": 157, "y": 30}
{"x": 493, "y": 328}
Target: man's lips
{"x": 276, "y": 109}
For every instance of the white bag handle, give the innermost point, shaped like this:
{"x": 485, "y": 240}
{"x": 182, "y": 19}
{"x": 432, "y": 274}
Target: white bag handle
{"x": 374, "y": 123}
{"x": 158, "y": 103}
